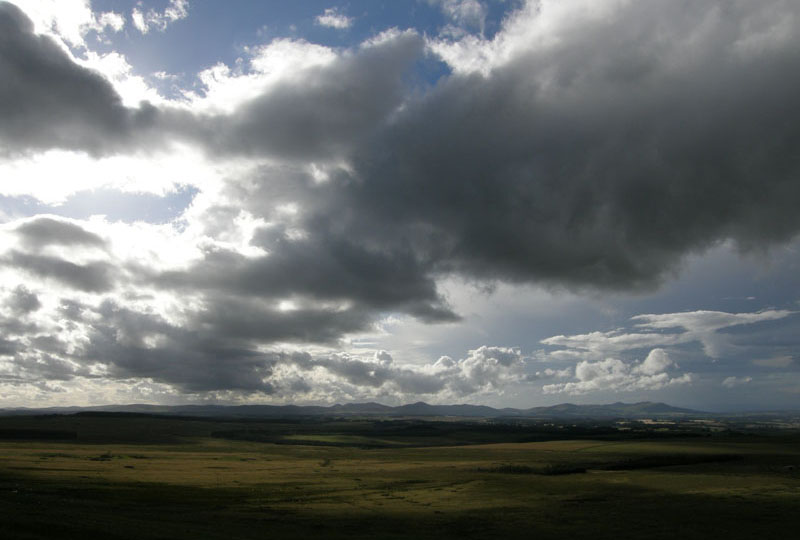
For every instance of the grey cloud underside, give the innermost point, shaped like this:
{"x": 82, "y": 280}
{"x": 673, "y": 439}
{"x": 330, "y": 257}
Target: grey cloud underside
{"x": 322, "y": 268}
{"x": 24, "y": 301}
{"x": 599, "y": 163}
{"x": 238, "y": 303}
{"x": 216, "y": 347}
{"x": 194, "y": 359}
{"x": 370, "y": 374}
{"x": 8, "y": 347}
{"x": 257, "y": 321}
{"x": 94, "y": 277}
{"x": 201, "y": 365}
{"x": 44, "y": 231}
{"x": 215, "y": 351}
{"x": 13, "y": 326}
{"x": 323, "y": 116}
{"x": 47, "y": 101}
{"x": 186, "y": 358}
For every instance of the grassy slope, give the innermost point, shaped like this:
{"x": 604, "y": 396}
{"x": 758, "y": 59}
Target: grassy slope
{"x": 193, "y": 486}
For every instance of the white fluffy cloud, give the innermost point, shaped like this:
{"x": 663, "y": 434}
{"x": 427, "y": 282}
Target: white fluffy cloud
{"x": 68, "y": 21}
{"x": 333, "y": 18}
{"x": 615, "y": 375}
{"x": 484, "y": 369}
{"x": 146, "y": 20}
{"x": 464, "y": 15}
{"x": 283, "y": 60}
{"x": 599, "y": 367}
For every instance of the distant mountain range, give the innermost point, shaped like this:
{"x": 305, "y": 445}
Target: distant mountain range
{"x": 644, "y": 409}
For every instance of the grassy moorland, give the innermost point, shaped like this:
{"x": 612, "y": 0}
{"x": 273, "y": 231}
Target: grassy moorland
{"x": 144, "y": 477}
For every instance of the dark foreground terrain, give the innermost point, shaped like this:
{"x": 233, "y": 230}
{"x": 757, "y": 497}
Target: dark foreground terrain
{"x": 138, "y": 476}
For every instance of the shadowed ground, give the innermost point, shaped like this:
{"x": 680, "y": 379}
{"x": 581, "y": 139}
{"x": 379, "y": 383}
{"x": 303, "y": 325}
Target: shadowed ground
{"x": 195, "y": 486}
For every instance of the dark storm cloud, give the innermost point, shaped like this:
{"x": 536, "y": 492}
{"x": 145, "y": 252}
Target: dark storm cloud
{"x": 253, "y": 321}
{"x": 90, "y": 277}
{"x": 193, "y": 369}
{"x": 47, "y": 367}
{"x": 192, "y": 360}
{"x": 215, "y": 349}
{"x": 599, "y": 162}
{"x": 602, "y": 160}
{"x": 48, "y": 101}
{"x": 323, "y": 268}
{"x": 44, "y": 231}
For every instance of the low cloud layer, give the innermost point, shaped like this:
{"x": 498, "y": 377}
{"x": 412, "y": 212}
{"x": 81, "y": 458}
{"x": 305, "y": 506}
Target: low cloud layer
{"x": 615, "y": 375}
{"x": 676, "y": 329}
{"x": 604, "y": 358}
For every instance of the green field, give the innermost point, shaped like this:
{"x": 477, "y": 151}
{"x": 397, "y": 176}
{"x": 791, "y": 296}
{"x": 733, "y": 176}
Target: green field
{"x": 143, "y": 478}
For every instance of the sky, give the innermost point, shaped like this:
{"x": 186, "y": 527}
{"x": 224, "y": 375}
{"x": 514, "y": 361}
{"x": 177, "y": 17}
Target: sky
{"x": 514, "y": 203}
